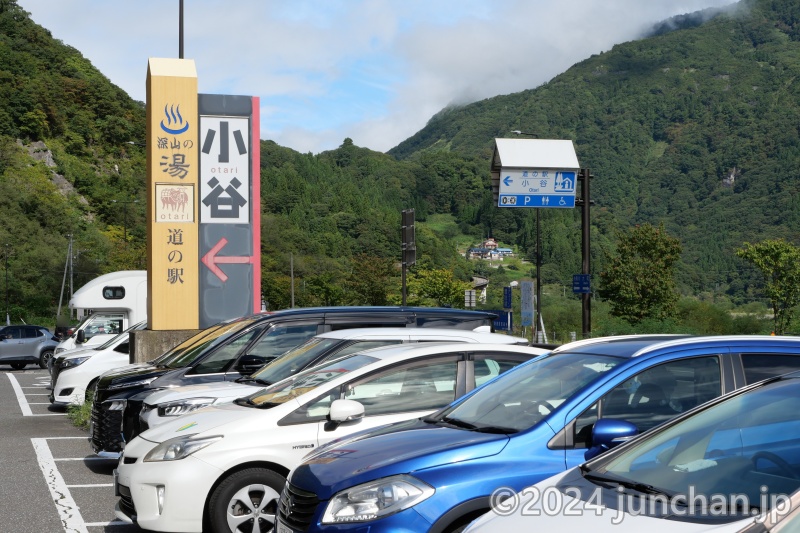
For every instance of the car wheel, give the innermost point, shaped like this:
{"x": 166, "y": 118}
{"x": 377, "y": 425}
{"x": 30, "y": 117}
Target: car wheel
{"x": 45, "y": 358}
{"x": 18, "y": 366}
{"x": 246, "y": 501}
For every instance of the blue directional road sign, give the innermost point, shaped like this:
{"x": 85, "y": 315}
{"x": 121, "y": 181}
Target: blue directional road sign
{"x": 581, "y": 284}
{"x": 537, "y": 188}
{"x": 503, "y": 322}
{"x": 506, "y": 297}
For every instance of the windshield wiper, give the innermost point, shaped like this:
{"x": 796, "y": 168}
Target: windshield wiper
{"x": 458, "y": 423}
{"x": 244, "y": 379}
{"x": 605, "y": 479}
{"x": 496, "y": 429}
{"x": 262, "y": 381}
{"x": 244, "y": 402}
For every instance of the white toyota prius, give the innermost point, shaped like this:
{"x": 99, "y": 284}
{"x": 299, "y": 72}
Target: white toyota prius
{"x": 229, "y": 463}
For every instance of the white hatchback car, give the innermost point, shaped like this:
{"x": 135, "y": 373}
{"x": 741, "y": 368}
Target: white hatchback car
{"x": 164, "y": 405}
{"x": 74, "y": 371}
{"x": 230, "y": 462}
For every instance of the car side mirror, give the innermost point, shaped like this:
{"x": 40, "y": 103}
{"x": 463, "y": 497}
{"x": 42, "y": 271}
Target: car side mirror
{"x": 343, "y": 411}
{"x": 607, "y": 433}
{"x": 81, "y": 336}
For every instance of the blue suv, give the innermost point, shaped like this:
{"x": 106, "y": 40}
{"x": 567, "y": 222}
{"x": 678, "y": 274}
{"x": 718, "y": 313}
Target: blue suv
{"x": 438, "y": 473}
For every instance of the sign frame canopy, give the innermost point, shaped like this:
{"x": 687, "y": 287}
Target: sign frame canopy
{"x": 538, "y": 173}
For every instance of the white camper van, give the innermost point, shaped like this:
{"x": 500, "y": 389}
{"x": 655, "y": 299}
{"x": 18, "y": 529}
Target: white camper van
{"x": 107, "y": 305}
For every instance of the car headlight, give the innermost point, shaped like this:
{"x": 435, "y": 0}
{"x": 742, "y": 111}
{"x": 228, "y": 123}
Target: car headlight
{"x": 131, "y": 384}
{"x": 178, "y": 448}
{"x": 376, "y": 499}
{"x": 75, "y": 361}
{"x": 181, "y": 407}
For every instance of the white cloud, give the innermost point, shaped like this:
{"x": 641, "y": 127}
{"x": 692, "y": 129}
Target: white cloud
{"x": 372, "y": 70}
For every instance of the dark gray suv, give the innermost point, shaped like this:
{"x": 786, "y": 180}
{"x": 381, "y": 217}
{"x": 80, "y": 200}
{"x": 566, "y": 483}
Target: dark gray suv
{"x": 26, "y": 344}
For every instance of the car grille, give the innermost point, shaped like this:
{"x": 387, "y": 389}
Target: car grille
{"x": 126, "y": 502}
{"x": 106, "y": 429}
{"x": 297, "y": 507}
{"x": 54, "y": 372}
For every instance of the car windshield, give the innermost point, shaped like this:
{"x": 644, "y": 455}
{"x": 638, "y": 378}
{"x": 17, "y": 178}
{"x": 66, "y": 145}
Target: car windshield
{"x": 306, "y": 381}
{"x": 190, "y": 349}
{"x": 115, "y": 338}
{"x": 520, "y": 398}
{"x": 745, "y": 446}
{"x": 295, "y": 359}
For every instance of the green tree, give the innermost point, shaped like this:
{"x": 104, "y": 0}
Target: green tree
{"x": 370, "y": 280}
{"x": 437, "y": 287}
{"x": 639, "y": 281}
{"x": 779, "y": 262}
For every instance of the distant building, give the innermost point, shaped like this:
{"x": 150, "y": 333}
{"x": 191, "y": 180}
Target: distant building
{"x": 488, "y": 250}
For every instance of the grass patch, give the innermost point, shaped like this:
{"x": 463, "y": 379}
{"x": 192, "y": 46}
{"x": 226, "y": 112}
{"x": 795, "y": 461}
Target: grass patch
{"x": 80, "y": 415}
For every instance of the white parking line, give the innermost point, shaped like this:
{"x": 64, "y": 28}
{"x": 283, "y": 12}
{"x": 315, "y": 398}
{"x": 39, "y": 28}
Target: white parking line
{"x": 23, "y": 402}
{"x": 67, "y": 508}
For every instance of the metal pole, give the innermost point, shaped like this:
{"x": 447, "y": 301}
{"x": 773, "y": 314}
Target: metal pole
{"x": 291, "y": 274}
{"x": 538, "y": 276}
{"x": 71, "y": 271}
{"x": 8, "y": 316}
{"x": 586, "y": 298}
{"x": 63, "y": 282}
{"x": 180, "y": 29}
{"x": 403, "y": 283}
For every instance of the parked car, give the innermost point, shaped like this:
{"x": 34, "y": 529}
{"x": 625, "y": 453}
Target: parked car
{"x": 230, "y": 462}
{"x": 166, "y": 404}
{"x": 439, "y": 473}
{"x": 238, "y": 347}
{"x": 714, "y": 468}
{"x": 75, "y": 372}
{"x": 26, "y": 344}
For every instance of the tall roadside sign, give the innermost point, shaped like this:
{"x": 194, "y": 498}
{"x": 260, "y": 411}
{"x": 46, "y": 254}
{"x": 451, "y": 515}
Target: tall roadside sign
{"x": 203, "y": 165}
{"x": 534, "y": 173}
{"x": 537, "y": 173}
{"x": 172, "y": 169}
{"x": 229, "y": 205}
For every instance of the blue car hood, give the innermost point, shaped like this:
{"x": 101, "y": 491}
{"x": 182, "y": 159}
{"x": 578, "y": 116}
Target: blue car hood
{"x": 398, "y": 449}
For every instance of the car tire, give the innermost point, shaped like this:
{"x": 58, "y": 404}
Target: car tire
{"x": 18, "y": 366}
{"x": 44, "y": 358}
{"x": 236, "y": 501}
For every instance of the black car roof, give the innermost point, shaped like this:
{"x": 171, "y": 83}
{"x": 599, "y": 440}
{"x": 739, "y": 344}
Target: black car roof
{"x": 366, "y": 309}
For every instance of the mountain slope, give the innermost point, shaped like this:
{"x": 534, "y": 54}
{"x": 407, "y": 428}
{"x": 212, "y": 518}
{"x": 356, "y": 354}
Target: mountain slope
{"x": 697, "y": 128}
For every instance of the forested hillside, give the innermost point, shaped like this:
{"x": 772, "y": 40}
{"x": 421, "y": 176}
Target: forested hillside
{"x": 695, "y": 126}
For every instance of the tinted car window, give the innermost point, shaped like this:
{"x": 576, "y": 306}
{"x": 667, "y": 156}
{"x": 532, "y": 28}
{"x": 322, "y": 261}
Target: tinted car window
{"x": 224, "y": 355}
{"x": 489, "y": 366}
{"x": 408, "y": 388}
{"x": 186, "y": 352}
{"x": 280, "y": 338}
{"x": 655, "y": 395}
{"x": 763, "y": 366}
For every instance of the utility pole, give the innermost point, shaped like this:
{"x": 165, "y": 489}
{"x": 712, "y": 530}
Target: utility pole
{"x": 8, "y": 316}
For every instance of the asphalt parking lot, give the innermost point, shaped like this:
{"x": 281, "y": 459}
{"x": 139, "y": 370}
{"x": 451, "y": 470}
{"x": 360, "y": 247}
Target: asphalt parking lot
{"x": 50, "y": 481}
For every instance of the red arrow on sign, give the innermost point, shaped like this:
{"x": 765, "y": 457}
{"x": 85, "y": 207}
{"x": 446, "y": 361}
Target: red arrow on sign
{"x": 211, "y": 260}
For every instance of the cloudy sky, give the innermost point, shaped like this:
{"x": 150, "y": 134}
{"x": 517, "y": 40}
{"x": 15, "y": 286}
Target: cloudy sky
{"x": 371, "y": 70}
